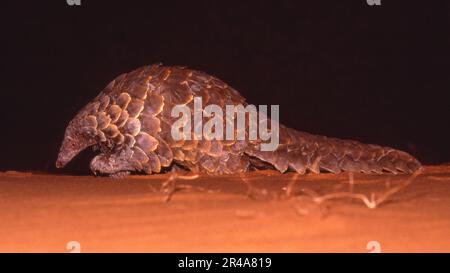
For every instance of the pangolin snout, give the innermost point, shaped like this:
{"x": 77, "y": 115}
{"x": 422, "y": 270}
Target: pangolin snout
{"x": 67, "y": 151}
{"x": 72, "y": 145}
{"x": 59, "y": 164}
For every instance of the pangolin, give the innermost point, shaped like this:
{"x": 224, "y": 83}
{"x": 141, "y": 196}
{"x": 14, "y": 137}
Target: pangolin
{"x": 130, "y": 121}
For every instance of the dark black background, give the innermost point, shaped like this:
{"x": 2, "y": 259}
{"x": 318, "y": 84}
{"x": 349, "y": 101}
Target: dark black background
{"x": 377, "y": 74}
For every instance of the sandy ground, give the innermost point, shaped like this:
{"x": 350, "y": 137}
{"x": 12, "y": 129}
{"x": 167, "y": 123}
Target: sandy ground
{"x": 42, "y": 213}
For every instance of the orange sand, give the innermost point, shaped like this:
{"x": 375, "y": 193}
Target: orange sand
{"x": 42, "y": 213}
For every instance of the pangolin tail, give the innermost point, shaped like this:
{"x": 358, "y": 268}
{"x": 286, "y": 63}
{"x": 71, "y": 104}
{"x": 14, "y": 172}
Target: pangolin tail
{"x": 304, "y": 152}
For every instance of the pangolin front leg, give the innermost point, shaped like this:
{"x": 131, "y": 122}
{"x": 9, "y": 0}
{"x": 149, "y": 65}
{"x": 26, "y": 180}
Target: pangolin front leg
{"x": 122, "y": 161}
{"x": 131, "y": 120}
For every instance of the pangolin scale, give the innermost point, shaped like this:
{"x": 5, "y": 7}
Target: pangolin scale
{"x": 130, "y": 124}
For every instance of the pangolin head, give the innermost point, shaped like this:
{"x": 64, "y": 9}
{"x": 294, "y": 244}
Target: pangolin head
{"x": 77, "y": 138}
{"x": 96, "y": 123}
{"x": 82, "y": 131}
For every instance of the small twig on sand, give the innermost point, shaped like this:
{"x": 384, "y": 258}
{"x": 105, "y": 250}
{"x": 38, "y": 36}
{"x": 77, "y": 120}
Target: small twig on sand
{"x": 169, "y": 187}
{"x": 252, "y": 192}
{"x": 393, "y": 190}
{"x": 290, "y": 186}
{"x": 351, "y": 182}
{"x": 371, "y": 202}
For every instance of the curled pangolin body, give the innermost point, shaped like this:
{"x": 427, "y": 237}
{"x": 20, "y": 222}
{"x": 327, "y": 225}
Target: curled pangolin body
{"x": 130, "y": 121}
